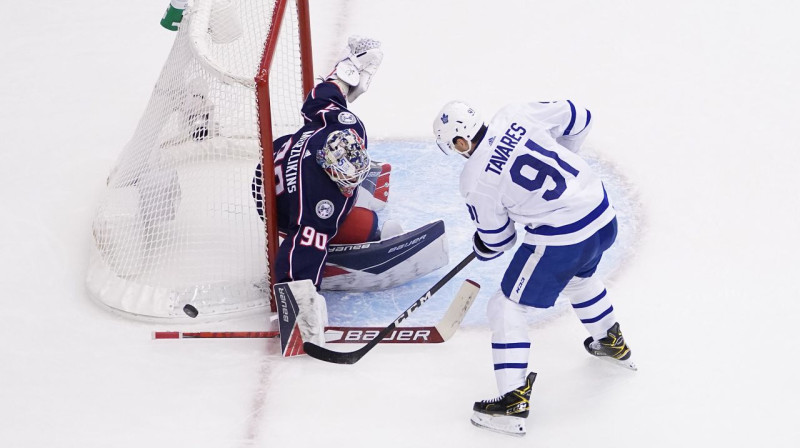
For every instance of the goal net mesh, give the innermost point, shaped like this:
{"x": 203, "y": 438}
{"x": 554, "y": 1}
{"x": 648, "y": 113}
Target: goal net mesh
{"x": 177, "y": 223}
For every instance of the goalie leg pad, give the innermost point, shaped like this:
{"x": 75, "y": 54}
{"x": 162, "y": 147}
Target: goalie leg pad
{"x": 387, "y": 263}
{"x": 302, "y": 314}
{"x": 313, "y": 313}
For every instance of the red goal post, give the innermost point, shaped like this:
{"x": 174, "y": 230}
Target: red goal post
{"x": 177, "y": 223}
{"x": 265, "y": 116}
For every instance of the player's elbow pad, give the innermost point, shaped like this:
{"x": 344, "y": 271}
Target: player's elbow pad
{"x": 483, "y": 252}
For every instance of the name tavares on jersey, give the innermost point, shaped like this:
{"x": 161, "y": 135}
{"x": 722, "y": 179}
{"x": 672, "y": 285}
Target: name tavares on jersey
{"x": 294, "y": 158}
{"x": 507, "y": 144}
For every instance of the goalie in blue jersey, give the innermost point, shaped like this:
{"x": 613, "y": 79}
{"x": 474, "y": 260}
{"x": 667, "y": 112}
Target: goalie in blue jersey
{"x": 522, "y": 169}
{"x": 317, "y": 172}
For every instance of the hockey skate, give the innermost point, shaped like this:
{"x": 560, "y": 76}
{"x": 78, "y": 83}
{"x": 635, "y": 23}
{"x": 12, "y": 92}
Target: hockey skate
{"x": 505, "y": 414}
{"x": 611, "y": 348}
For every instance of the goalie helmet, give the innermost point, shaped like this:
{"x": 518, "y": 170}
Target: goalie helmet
{"x": 456, "y": 119}
{"x": 344, "y": 158}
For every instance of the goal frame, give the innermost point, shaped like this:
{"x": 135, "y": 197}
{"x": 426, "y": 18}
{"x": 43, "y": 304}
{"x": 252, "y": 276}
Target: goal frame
{"x": 265, "y": 118}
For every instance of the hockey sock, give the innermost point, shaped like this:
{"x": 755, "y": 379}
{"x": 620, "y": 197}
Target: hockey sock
{"x": 591, "y": 304}
{"x": 510, "y": 341}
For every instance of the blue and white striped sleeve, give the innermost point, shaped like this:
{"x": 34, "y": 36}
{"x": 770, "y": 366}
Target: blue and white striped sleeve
{"x": 495, "y": 227}
{"x": 579, "y": 120}
{"x": 567, "y": 123}
{"x": 576, "y": 129}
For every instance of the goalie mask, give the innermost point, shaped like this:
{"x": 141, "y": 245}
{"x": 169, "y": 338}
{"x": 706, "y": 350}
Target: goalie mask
{"x": 456, "y": 119}
{"x": 344, "y": 158}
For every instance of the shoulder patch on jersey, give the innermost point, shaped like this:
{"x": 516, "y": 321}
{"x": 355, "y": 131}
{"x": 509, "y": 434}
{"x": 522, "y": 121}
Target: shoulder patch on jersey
{"x": 324, "y": 209}
{"x": 347, "y": 118}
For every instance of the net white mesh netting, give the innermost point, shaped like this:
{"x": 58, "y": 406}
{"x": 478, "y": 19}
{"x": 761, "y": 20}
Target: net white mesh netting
{"x": 177, "y": 223}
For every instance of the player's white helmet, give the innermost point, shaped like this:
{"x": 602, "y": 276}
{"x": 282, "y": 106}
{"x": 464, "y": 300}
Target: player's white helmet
{"x": 344, "y": 158}
{"x": 456, "y": 119}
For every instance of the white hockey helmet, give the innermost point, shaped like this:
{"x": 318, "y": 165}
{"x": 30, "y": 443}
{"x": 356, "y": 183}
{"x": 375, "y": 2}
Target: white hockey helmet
{"x": 344, "y": 158}
{"x": 456, "y": 119}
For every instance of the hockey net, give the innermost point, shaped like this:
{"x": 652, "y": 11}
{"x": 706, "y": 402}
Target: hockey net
{"x": 177, "y": 223}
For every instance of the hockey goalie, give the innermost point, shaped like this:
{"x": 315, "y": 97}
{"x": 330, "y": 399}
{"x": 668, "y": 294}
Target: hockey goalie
{"x": 327, "y": 194}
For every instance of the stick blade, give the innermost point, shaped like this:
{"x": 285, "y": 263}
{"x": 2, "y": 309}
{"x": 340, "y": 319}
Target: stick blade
{"x": 455, "y": 313}
{"x": 323, "y": 354}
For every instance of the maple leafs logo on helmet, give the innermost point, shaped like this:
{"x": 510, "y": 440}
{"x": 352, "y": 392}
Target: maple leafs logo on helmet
{"x": 344, "y": 158}
{"x": 456, "y": 119}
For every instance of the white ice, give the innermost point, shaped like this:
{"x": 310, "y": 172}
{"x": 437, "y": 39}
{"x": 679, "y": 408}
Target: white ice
{"x": 695, "y": 106}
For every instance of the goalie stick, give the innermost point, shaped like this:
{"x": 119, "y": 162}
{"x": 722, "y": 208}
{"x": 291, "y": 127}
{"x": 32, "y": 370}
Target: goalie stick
{"x": 323, "y": 354}
{"x": 441, "y": 332}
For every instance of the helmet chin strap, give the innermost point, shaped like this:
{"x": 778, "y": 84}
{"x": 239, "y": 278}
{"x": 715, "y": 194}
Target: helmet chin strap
{"x": 466, "y": 154}
{"x": 473, "y": 145}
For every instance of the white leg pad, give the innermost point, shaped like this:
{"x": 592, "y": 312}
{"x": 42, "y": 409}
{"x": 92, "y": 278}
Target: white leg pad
{"x": 312, "y": 316}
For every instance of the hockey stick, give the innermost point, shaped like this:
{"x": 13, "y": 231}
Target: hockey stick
{"x": 436, "y": 334}
{"x": 214, "y": 334}
{"x": 323, "y": 354}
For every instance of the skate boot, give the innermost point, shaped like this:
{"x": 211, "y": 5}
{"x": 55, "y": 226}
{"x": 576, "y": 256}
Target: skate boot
{"x": 505, "y": 414}
{"x": 612, "y": 348}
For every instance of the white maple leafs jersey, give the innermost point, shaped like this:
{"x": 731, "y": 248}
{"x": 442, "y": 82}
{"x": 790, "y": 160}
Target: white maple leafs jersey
{"x": 525, "y": 172}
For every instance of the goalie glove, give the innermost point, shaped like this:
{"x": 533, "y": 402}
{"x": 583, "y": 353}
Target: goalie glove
{"x": 361, "y": 62}
{"x": 483, "y": 252}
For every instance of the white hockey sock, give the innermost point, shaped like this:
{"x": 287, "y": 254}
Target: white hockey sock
{"x": 591, "y": 304}
{"x": 510, "y": 341}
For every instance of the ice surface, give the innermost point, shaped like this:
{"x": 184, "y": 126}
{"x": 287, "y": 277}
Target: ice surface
{"x": 695, "y": 105}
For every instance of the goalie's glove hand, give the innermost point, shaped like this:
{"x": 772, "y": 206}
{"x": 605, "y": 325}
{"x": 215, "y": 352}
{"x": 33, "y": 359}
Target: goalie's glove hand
{"x": 362, "y": 58}
{"x": 483, "y": 252}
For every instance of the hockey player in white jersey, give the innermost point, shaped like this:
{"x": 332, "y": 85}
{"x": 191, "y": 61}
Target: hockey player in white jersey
{"x": 522, "y": 170}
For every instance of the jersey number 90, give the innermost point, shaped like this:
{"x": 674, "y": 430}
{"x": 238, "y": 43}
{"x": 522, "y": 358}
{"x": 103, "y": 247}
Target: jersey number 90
{"x": 543, "y": 171}
{"x": 312, "y": 238}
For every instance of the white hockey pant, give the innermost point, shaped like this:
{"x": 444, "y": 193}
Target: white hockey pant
{"x": 510, "y": 342}
{"x": 591, "y": 305}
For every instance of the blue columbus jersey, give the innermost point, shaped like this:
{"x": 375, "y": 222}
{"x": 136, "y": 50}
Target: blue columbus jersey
{"x": 310, "y": 205}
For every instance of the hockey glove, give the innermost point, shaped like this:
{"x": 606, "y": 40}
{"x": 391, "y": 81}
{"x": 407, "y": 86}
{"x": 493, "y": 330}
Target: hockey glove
{"x": 356, "y": 68}
{"x": 483, "y": 252}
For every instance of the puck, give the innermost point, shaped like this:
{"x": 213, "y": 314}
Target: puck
{"x": 190, "y": 310}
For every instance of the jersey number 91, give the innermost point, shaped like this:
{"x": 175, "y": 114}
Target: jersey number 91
{"x": 543, "y": 171}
